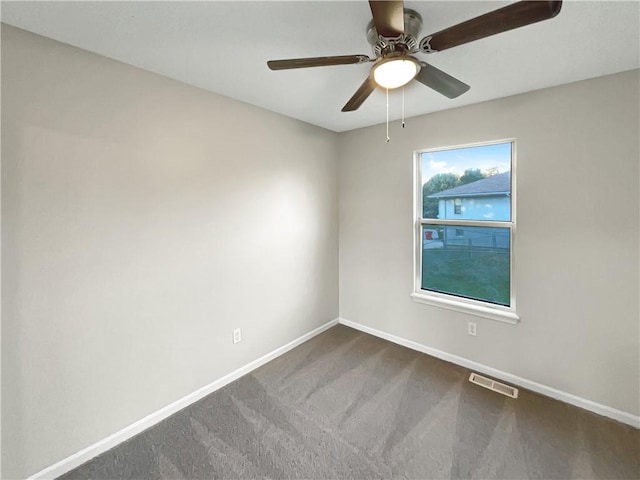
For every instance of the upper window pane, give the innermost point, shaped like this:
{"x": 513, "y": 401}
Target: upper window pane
{"x": 470, "y": 183}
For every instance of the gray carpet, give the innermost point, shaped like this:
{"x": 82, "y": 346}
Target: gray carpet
{"x": 349, "y": 405}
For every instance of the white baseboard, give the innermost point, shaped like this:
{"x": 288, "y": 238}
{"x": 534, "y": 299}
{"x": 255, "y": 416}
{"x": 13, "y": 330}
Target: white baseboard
{"x": 77, "y": 459}
{"x": 619, "y": 415}
{"x": 86, "y": 454}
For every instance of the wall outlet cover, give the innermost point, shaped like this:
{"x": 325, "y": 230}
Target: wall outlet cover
{"x": 471, "y": 328}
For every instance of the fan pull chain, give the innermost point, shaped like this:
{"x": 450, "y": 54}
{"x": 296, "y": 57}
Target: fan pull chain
{"x": 387, "y": 115}
{"x": 402, "y": 107}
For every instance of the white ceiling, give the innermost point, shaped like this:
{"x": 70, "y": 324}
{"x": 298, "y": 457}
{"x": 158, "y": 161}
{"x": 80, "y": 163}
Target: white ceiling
{"x": 223, "y": 47}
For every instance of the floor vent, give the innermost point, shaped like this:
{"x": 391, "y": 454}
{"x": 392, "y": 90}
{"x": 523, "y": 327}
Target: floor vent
{"x": 493, "y": 385}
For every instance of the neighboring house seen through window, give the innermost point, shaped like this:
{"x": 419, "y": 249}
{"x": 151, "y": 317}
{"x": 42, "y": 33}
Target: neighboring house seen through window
{"x": 465, "y": 225}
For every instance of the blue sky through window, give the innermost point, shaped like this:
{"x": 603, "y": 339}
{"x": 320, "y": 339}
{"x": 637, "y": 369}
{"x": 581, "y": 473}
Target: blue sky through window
{"x": 457, "y": 160}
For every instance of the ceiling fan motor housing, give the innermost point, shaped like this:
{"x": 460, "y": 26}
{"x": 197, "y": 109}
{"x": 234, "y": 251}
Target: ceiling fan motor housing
{"x": 406, "y": 42}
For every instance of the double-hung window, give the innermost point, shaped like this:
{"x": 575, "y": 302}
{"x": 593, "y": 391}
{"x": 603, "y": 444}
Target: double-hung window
{"x": 465, "y": 228}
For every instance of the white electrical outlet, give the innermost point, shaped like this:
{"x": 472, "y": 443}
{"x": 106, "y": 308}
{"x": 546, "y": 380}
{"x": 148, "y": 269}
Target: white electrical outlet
{"x": 471, "y": 328}
{"x": 237, "y": 335}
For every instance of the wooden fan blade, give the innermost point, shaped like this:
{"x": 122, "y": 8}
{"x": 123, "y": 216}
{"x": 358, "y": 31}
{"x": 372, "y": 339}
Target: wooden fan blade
{"x": 440, "y": 81}
{"x": 388, "y": 17}
{"x": 360, "y": 96}
{"x": 507, "y": 18}
{"x": 316, "y": 62}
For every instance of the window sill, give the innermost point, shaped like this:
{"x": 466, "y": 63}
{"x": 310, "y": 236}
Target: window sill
{"x": 477, "y": 310}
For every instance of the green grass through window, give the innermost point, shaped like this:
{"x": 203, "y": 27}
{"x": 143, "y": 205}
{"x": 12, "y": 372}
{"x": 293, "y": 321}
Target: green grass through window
{"x": 476, "y": 273}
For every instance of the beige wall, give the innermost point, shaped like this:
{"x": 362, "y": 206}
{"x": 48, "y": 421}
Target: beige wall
{"x": 144, "y": 220}
{"x": 577, "y": 239}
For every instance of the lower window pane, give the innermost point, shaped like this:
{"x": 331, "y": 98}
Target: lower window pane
{"x": 469, "y": 262}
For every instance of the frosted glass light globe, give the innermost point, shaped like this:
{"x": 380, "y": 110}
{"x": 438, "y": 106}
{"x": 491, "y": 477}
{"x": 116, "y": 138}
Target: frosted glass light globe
{"x": 395, "y": 72}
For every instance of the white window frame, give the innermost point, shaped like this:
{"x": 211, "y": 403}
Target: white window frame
{"x": 478, "y": 308}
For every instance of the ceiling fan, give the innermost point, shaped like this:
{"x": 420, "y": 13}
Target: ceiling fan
{"x": 393, "y": 35}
